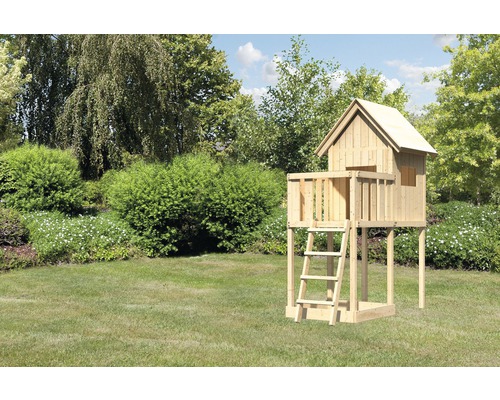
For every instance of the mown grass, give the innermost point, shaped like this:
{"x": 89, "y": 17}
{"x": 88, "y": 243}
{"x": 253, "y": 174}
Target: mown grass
{"x": 228, "y": 310}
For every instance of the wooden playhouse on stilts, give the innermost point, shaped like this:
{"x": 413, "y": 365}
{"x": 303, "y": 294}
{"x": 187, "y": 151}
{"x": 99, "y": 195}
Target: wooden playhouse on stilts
{"x": 375, "y": 179}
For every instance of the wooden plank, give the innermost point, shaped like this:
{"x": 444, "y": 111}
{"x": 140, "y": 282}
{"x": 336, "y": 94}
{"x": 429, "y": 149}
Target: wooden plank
{"x": 294, "y": 199}
{"x": 390, "y": 266}
{"x": 373, "y": 199}
{"x": 319, "y": 277}
{"x": 327, "y": 199}
{"x": 320, "y": 302}
{"x": 308, "y": 201}
{"x": 322, "y": 253}
{"x": 365, "y": 202}
{"x": 344, "y": 202}
{"x": 338, "y": 199}
{"x": 357, "y": 197}
{"x": 318, "y": 199}
{"x": 381, "y": 189}
{"x": 302, "y": 200}
{"x": 421, "y": 267}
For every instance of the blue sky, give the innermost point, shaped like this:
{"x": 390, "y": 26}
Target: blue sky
{"x": 401, "y": 58}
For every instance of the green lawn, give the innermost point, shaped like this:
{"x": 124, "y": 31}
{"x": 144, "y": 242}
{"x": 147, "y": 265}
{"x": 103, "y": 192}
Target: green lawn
{"x": 228, "y": 310}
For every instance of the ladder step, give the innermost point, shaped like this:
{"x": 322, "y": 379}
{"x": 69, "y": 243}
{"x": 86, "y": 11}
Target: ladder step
{"x": 323, "y": 253}
{"x": 317, "y": 302}
{"x": 326, "y": 229}
{"x": 319, "y": 277}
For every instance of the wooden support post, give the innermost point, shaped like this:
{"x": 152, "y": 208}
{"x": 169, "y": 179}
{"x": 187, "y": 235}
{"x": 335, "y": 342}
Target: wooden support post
{"x": 390, "y": 266}
{"x": 353, "y": 269}
{"x": 364, "y": 264}
{"x": 329, "y": 266}
{"x": 291, "y": 268}
{"x": 354, "y": 212}
{"x": 421, "y": 268}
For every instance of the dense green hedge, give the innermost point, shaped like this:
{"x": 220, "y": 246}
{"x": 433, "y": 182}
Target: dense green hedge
{"x": 194, "y": 204}
{"x": 239, "y": 199}
{"x": 38, "y": 178}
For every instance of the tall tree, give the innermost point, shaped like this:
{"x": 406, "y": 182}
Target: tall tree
{"x": 203, "y": 97}
{"x": 110, "y": 96}
{"x": 11, "y": 82}
{"x": 119, "y": 101}
{"x": 47, "y": 61}
{"x": 368, "y": 85}
{"x": 298, "y": 111}
{"x": 293, "y": 110}
{"x": 466, "y": 121}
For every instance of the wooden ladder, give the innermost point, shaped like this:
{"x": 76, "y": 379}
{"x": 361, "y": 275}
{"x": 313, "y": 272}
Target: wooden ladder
{"x": 336, "y": 278}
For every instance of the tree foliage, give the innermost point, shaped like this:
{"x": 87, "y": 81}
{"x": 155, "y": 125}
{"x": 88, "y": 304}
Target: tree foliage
{"x": 110, "y": 97}
{"x": 41, "y": 101}
{"x": 367, "y": 85}
{"x": 11, "y": 81}
{"x": 465, "y": 121}
{"x": 299, "y": 110}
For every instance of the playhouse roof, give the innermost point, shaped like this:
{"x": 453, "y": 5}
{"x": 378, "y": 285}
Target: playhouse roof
{"x": 392, "y": 125}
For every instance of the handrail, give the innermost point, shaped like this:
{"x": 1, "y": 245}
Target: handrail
{"x": 332, "y": 196}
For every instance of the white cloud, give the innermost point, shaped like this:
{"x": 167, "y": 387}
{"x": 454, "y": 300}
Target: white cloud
{"x": 248, "y": 55}
{"x": 256, "y": 93}
{"x": 269, "y": 72}
{"x": 414, "y": 74}
{"x": 391, "y": 84}
{"x": 444, "y": 40}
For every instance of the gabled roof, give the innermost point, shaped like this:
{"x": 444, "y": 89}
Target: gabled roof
{"x": 392, "y": 125}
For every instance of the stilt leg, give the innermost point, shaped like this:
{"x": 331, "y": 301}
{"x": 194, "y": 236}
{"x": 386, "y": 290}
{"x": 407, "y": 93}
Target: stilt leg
{"x": 421, "y": 268}
{"x": 390, "y": 266}
{"x": 364, "y": 264}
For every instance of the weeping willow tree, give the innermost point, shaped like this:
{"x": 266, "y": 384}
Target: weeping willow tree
{"x": 150, "y": 95}
{"x": 119, "y": 100}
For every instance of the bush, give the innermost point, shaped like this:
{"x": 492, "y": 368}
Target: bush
{"x": 164, "y": 204}
{"x": 466, "y": 238}
{"x": 59, "y": 238}
{"x": 13, "y": 231}
{"x": 193, "y": 204}
{"x": 241, "y": 197}
{"x": 37, "y": 178}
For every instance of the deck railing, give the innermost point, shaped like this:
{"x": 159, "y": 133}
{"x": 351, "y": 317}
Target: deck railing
{"x": 331, "y": 197}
